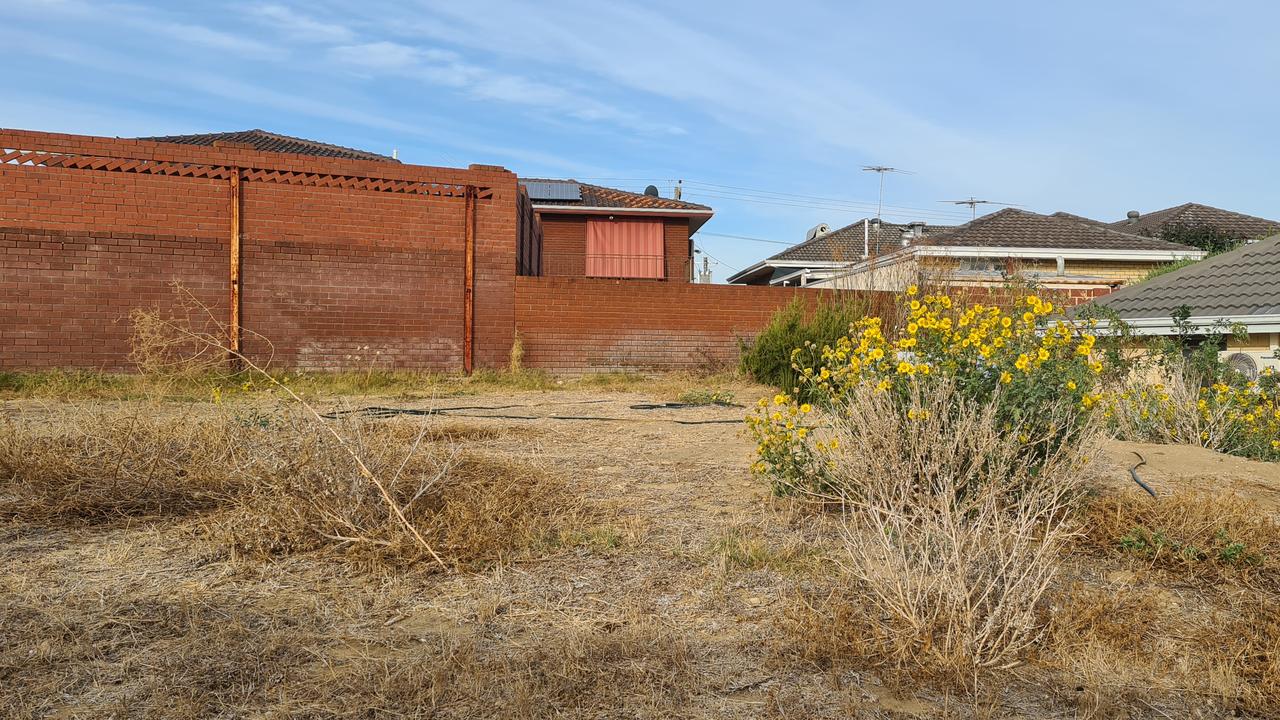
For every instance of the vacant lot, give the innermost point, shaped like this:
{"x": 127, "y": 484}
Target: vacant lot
{"x": 595, "y": 560}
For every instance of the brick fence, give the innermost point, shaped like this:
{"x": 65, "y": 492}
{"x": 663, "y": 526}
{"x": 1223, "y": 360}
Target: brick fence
{"x": 343, "y": 263}
{"x": 584, "y": 324}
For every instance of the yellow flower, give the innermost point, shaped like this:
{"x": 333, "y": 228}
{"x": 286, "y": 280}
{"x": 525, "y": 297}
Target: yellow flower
{"x": 802, "y": 432}
{"x": 883, "y": 385}
{"x": 1042, "y": 354}
{"x": 1006, "y": 321}
{"x": 915, "y": 304}
{"x": 906, "y": 368}
{"x": 834, "y": 444}
{"x": 1023, "y": 362}
{"x": 923, "y": 368}
{"x": 779, "y": 399}
{"x": 1028, "y": 317}
{"x": 912, "y": 289}
{"x": 1071, "y": 384}
{"x": 806, "y": 407}
{"x": 1005, "y": 377}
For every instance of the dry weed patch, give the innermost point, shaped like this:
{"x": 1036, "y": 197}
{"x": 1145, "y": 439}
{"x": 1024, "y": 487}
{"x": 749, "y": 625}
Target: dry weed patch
{"x": 283, "y": 486}
{"x": 95, "y": 465}
{"x": 473, "y": 509}
{"x": 1194, "y": 534}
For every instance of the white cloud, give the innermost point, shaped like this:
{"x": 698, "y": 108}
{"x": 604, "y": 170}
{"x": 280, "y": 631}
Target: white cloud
{"x": 438, "y": 66}
{"x": 299, "y": 26}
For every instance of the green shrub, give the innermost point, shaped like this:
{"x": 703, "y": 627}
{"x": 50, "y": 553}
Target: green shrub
{"x": 767, "y": 359}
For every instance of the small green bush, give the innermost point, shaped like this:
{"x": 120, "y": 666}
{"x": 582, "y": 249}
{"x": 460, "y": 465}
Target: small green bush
{"x": 767, "y": 359}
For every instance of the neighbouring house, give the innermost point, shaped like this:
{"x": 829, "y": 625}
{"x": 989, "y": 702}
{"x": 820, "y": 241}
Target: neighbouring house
{"x": 269, "y": 142}
{"x": 826, "y": 253}
{"x": 592, "y": 231}
{"x": 1189, "y": 217}
{"x": 1058, "y": 252}
{"x": 1240, "y": 288}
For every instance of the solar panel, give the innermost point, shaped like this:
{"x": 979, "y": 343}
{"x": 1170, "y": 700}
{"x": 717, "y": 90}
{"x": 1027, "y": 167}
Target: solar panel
{"x": 553, "y": 190}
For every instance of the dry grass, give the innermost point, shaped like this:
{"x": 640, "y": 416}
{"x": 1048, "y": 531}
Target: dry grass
{"x": 164, "y": 652}
{"x": 1204, "y": 535}
{"x": 97, "y": 465}
{"x": 472, "y": 509}
{"x": 267, "y": 483}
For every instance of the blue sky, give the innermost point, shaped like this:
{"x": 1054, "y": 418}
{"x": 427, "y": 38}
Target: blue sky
{"x": 1091, "y": 107}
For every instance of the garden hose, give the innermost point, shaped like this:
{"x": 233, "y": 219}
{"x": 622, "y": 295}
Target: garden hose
{"x": 1133, "y": 472}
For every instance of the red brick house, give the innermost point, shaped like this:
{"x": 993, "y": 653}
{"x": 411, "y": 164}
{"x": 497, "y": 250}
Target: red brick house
{"x": 582, "y": 230}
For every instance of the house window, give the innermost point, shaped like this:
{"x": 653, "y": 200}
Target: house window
{"x": 982, "y": 265}
{"x": 624, "y": 248}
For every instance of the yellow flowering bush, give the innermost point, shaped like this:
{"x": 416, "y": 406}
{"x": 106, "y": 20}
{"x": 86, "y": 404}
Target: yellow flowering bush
{"x": 1040, "y": 375}
{"x": 1239, "y": 418}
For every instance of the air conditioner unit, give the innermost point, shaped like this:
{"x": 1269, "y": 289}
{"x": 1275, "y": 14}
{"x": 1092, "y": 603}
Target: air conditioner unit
{"x": 1250, "y": 362}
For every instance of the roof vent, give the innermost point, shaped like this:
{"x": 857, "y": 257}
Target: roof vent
{"x": 651, "y": 191}
{"x": 917, "y": 229}
{"x": 1133, "y": 216}
{"x": 817, "y": 231}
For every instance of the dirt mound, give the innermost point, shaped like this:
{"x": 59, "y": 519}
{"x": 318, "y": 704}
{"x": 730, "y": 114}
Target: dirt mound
{"x": 1174, "y": 469}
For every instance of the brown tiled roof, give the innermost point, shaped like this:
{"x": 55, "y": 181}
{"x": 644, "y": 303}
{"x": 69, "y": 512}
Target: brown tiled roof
{"x": 1235, "y": 284}
{"x": 845, "y": 244}
{"x": 1077, "y": 218}
{"x": 1236, "y": 225}
{"x": 604, "y": 197}
{"x": 1015, "y": 228}
{"x": 270, "y": 142}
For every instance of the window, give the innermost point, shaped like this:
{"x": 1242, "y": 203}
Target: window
{"x": 982, "y": 265}
{"x": 624, "y": 248}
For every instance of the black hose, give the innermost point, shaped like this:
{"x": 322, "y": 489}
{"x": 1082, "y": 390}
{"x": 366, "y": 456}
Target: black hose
{"x": 1133, "y": 472}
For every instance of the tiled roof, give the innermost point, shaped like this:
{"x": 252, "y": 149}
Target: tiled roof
{"x": 1236, "y": 225}
{"x": 604, "y": 197}
{"x": 271, "y": 142}
{"x": 1234, "y": 284}
{"x": 1015, "y": 228}
{"x": 846, "y": 244}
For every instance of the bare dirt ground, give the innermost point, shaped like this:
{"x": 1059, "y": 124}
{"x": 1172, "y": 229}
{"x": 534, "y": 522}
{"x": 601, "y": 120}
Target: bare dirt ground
{"x": 676, "y": 609}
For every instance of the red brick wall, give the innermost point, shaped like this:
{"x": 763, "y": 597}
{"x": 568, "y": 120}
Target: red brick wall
{"x": 586, "y": 324}
{"x": 564, "y": 247}
{"x": 333, "y": 277}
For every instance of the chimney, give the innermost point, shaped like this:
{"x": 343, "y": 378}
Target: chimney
{"x": 906, "y": 236}
{"x": 917, "y": 229}
{"x": 1133, "y": 216}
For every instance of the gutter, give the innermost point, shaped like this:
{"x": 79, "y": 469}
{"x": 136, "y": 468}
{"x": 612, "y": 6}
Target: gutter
{"x": 697, "y": 218}
{"x": 1050, "y": 253}
{"x": 1165, "y": 326}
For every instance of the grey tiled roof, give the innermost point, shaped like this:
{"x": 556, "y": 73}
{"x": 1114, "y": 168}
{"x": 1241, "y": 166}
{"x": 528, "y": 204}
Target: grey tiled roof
{"x": 1245, "y": 281}
{"x": 1236, "y": 225}
{"x": 271, "y": 142}
{"x": 846, "y": 244}
{"x": 598, "y": 196}
{"x": 1011, "y": 227}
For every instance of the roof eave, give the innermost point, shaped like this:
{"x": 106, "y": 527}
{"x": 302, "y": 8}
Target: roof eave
{"x": 1051, "y": 252}
{"x": 1167, "y": 326}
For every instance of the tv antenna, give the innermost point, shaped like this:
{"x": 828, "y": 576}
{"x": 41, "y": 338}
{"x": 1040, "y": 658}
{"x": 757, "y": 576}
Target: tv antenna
{"x": 973, "y": 204}
{"x": 881, "y": 170}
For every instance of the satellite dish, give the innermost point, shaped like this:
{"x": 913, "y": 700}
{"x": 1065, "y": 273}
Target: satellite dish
{"x": 1244, "y": 364}
{"x": 651, "y": 191}
{"x": 817, "y": 230}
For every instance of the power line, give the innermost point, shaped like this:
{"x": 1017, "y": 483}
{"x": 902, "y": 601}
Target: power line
{"x": 744, "y": 237}
{"x": 781, "y": 194}
{"x": 932, "y": 214}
